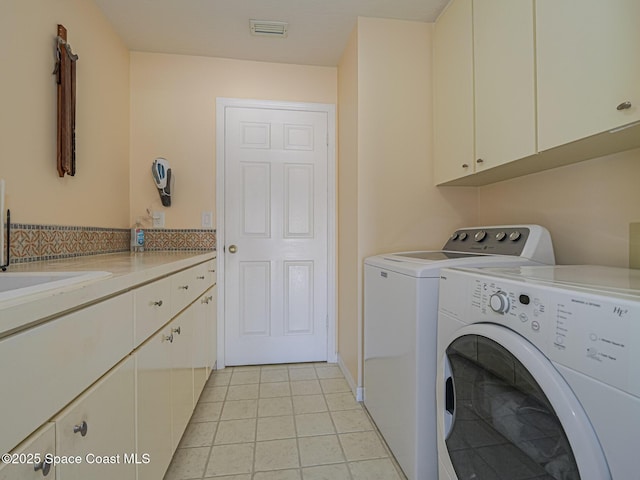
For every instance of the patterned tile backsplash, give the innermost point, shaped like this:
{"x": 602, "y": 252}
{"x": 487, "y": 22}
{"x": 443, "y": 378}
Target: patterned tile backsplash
{"x": 30, "y": 243}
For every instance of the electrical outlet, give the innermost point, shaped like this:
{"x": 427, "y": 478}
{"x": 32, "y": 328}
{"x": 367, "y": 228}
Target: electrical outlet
{"x": 158, "y": 219}
{"x": 207, "y": 219}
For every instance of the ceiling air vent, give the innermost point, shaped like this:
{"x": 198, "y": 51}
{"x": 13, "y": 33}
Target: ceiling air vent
{"x": 268, "y": 28}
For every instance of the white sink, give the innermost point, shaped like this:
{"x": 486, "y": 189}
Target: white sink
{"x": 18, "y": 284}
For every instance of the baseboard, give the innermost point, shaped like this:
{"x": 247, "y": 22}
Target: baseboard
{"x": 358, "y": 392}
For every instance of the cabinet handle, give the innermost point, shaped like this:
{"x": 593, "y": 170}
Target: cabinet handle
{"x": 44, "y": 466}
{"x": 200, "y": 278}
{"x": 624, "y": 106}
{"x": 465, "y": 165}
{"x": 81, "y": 429}
{"x": 479, "y": 160}
{"x": 212, "y": 271}
{"x": 176, "y": 330}
{"x": 183, "y": 287}
{"x": 167, "y": 338}
{"x": 207, "y": 299}
{"x": 157, "y": 303}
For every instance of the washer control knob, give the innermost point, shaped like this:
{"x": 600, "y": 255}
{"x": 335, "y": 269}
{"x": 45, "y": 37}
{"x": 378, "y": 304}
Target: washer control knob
{"x": 499, "y": 302}
{"x": 480, "y": 236}
{"x": 500, "y": 236}
{"x": 463, "y": 236}
{"x": 454, "y": 236}
{"x": 515, "y": 236}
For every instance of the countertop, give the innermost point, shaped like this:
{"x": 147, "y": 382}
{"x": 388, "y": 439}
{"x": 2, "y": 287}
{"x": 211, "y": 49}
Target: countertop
{"x": 127, "y": 271}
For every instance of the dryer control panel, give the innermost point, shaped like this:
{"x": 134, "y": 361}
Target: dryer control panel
{"x": 594, "y": 334}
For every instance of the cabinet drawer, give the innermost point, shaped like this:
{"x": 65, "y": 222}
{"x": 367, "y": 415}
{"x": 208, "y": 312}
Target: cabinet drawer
{"x": 189, "y": 284}
{"x": 183, "y": 290}
{"x": 210, "y": 269}
{"x": 99, "y": 427}
{"x": 153, "y": 308}
{"x": 30, "y": 457}
{"x": 51, "y": 364}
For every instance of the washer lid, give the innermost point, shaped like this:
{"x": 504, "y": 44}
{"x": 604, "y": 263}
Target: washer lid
{"x": 436, "y": 255}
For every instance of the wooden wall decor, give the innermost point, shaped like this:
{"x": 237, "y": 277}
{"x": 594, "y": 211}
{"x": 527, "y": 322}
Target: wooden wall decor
{"x": 65, "y": 73}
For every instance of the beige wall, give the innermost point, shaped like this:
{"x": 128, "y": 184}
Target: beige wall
{"x": 586, "y": 206}
{"x": 98, "y": 195}
{"x": 397, "y": 207}
{"x": 173, "y": 100}
{"x": 348, "y": 271}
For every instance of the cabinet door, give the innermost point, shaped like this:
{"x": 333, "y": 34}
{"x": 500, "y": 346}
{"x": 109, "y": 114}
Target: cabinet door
{"x": 181, "y": 374}
{"x": 213, "y": 335}
{"x": 30, "y": 457}
{"x": 504, "y": 78}
{"x": 153, "y": 405}
{"x": 99, "y": 427}
{"x": 453, "y": 93}
{"x": 204, "y": 316}
{"x": 588, "y": 65}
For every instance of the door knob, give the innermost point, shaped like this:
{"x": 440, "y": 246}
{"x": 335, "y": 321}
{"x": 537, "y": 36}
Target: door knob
{"x": 233, "y": 249}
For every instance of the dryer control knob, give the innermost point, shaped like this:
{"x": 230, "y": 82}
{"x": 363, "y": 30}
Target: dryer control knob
{"x": 499, "y": 302}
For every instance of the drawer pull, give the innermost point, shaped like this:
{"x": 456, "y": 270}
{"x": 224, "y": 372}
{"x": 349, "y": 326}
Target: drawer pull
{"x": 465, "y": 165}
{"x": 44, "y": 466}
{"x": 167, "y": 338}
{"x": 207, "y": 299}
{"x": 183, "y": 287}
{"x": 81, "y": 429}
{"x": 212, "y": 271}
{"x": 624, "y": 106}
{"x": 157, "y": 303}
{"x": 176, "y": 330}
{"x": 201, "y": 278}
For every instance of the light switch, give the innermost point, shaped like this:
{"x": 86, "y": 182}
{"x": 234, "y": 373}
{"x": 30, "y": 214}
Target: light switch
{"x": 207, "y": 219}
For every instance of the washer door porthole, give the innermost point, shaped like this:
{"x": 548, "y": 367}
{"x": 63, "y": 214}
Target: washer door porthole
{"x": 504, "y": 426}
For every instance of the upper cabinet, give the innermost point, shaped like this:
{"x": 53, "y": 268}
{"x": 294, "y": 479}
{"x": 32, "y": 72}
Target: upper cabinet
{"x": 504, "y": 73}
{"x": 526, "y": 85}
{"x": 453, "y": 100}
{"x": 484, "y": 86}
{"x": 588, "y": 68}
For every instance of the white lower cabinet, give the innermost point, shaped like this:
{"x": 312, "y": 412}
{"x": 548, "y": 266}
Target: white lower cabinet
{"x": 31, "y": 460}
{"x": 153, "y": 405}
{"x": 181, "y": 374}
{"x": 97, "y": 430}
{"x": 164, "y": 372}
{"x": 204, "y": 340}
{"x": 120, "y": 379}
{"x": 57, "y": 361}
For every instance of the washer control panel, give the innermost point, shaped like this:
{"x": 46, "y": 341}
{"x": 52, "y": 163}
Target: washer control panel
{"x": 501, "y": 303}
{"x": 596, "y": 335}
{"x": 504, "y": 240}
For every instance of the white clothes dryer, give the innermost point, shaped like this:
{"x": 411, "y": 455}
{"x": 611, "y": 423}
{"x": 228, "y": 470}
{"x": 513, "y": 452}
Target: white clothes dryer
{"x": 400, "y": 316}
{"x": 537, "y": 373}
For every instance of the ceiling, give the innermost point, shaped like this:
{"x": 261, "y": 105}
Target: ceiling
{"x": 317, "y": 34}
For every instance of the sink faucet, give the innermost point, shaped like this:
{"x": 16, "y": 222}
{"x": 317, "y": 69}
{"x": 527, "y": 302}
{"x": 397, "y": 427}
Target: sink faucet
{"x": 4, "y": 267}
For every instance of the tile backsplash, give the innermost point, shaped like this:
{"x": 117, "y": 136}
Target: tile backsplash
{"x": 30, "y": 243}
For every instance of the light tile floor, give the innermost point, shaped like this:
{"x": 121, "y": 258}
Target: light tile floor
{"x": 281, "y": 422}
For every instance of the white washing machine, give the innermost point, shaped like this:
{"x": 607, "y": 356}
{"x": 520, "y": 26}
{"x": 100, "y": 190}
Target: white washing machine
{"x": 400, "y": 316}
{"x": 538, "y": 373}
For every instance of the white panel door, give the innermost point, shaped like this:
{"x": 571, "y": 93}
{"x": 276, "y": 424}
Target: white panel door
{"x": 276, "y": 236}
